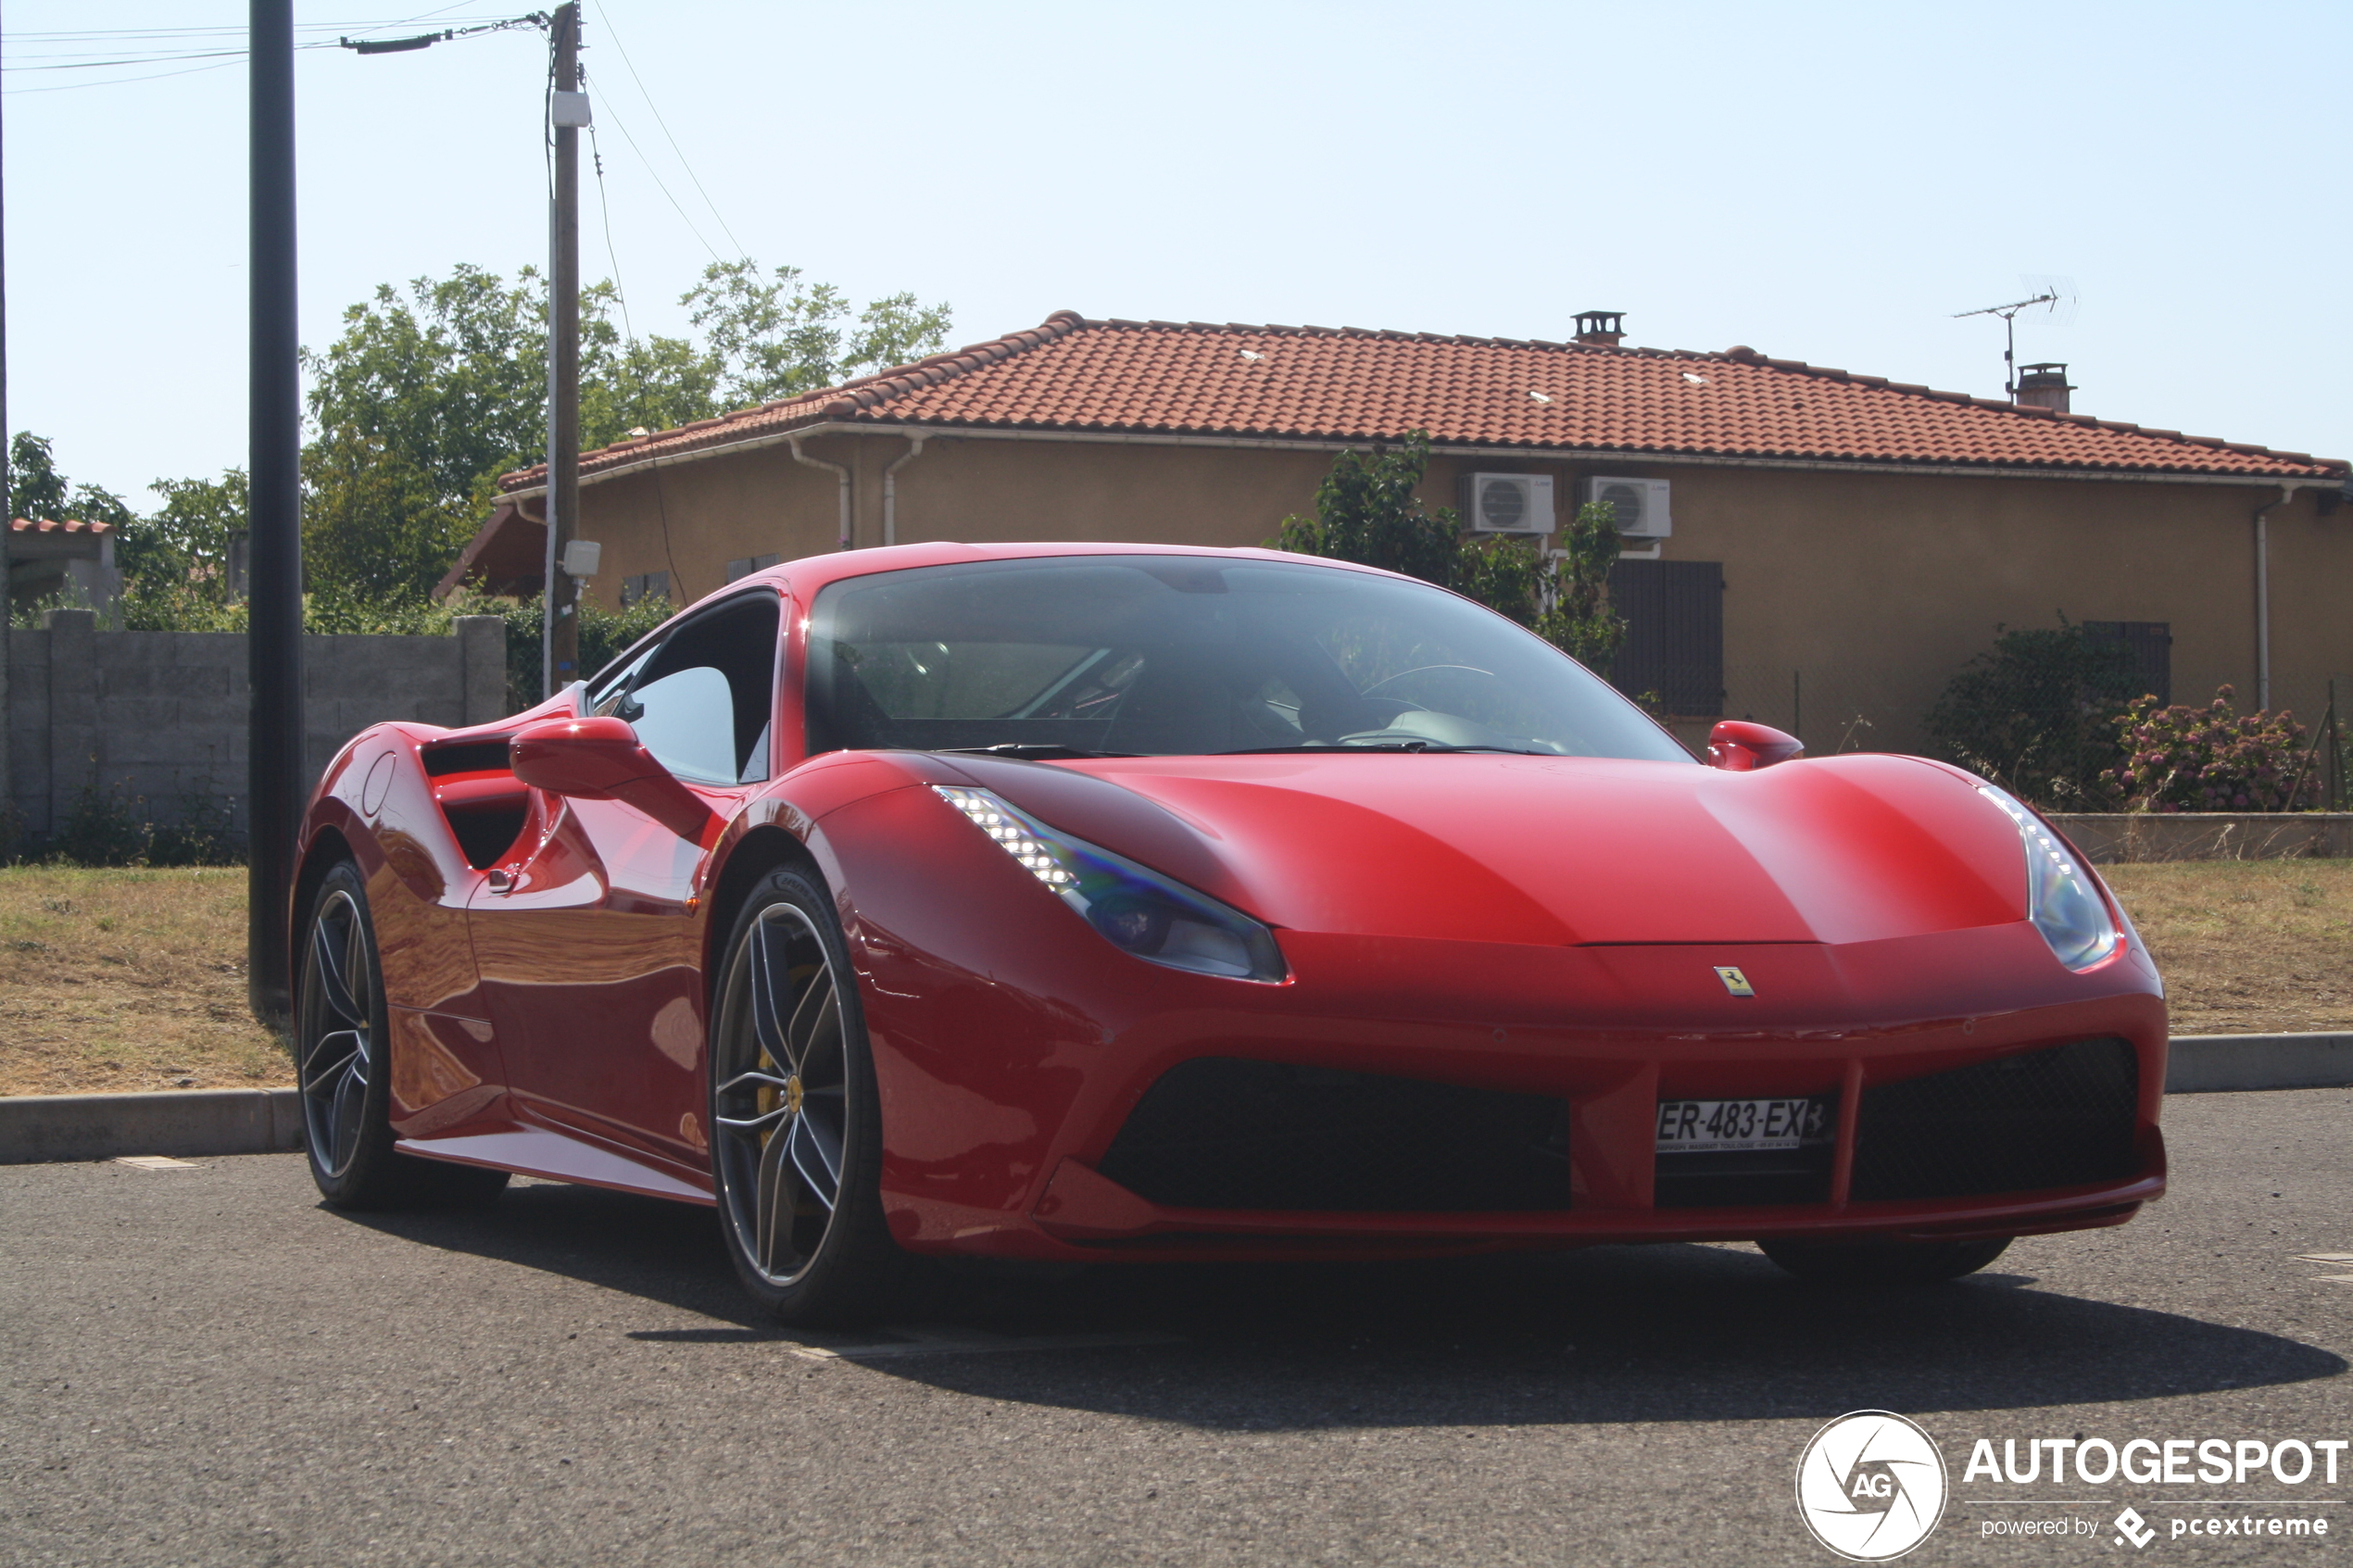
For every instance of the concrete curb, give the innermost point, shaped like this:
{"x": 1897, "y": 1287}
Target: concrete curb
{"x": 2200, "y": 1064}
{"x": 198, "y": 1122}
{"x": 190, "y": 1122}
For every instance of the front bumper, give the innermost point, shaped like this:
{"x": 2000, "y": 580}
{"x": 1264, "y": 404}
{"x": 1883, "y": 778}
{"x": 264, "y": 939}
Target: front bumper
{"x": 1008, "y": 1078}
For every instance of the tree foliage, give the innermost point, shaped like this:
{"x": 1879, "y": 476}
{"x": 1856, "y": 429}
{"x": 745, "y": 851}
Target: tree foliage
{"x": 1368, "y": 510}
{"x": 427, "y": 397}
{"x": 2036, "y": 713}
{"x": 37, "y": 490}
{"x": 779, "y": 337}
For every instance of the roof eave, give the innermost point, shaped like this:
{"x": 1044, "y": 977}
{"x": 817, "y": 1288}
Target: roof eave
{"x": 826, "y": 423}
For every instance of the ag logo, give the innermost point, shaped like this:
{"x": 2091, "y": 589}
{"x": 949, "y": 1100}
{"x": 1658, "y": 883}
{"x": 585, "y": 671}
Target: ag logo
{"x": 1870, "y": 1485}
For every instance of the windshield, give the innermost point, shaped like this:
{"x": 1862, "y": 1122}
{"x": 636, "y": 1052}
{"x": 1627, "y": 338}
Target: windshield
{"x": 1192, "y": 655}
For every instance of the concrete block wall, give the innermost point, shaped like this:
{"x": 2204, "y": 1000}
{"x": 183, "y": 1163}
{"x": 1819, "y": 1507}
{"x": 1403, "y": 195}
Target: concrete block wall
{"x": 162, "y": 715}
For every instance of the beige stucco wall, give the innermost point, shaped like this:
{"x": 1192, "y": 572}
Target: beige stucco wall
{"x": 1857, "y": 594}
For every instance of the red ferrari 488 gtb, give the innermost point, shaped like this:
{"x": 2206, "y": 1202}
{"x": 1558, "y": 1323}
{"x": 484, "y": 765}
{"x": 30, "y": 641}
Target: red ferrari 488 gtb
{"x": 1093, "y": 903}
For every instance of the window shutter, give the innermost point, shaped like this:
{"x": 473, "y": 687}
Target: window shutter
{"x": 2151, "y": 642}
{"x": 1674, "y": 646}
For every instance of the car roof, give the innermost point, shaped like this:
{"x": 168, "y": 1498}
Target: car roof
{"x": 803, "y": 577}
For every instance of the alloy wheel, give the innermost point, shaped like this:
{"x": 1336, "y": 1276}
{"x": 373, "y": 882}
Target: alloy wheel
{"x": 338, "y": 1034}
{"x": 780, "y": 1107}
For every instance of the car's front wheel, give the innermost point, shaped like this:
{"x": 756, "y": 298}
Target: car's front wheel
{"x": 1873, "y": 1264}
{"x": 797, "y": 1144}
{"x": 342, "y": 1062}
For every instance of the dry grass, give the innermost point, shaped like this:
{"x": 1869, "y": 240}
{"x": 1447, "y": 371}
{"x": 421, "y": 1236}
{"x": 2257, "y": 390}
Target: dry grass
{"x": 130, "y": 980}
{"x": 115, "y": 980}
{"x": 2247, "y": 947}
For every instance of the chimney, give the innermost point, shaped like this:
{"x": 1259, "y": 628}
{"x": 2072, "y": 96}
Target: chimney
{"x": 2045, "y": 386}
{"x": 1602, "y": 329}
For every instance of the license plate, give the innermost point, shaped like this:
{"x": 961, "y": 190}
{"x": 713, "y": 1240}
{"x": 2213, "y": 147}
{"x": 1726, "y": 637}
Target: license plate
{"x": 1712, "y": 1126}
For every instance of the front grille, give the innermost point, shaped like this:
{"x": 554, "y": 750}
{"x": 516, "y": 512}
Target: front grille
{"x": 2056, "y": 1118}
{"x": 1222, "y": 1132}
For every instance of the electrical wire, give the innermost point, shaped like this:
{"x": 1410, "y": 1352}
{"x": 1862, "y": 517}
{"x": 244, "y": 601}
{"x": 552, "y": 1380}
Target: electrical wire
{"x": 621, "y": 289}
{"x": 622, "y": 126}
{"x": 221, "y": 58}
{"x": 674, "y": 147}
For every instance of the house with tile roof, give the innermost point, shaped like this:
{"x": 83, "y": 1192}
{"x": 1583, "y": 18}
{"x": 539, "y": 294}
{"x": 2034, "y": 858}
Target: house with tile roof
{"x": 50, "y": 555}
{"x": 1838, "y": 545}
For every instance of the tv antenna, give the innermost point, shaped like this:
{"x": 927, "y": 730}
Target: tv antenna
{"x": 2054, "y": 296}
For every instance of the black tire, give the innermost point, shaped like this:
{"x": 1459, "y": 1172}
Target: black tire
{"x": 1869, "y": 1265}
{"x": 794, "y": 1111}
{"x": 342, "y": 1061}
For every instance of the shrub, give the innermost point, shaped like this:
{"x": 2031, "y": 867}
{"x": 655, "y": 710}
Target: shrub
{"x": 2212, "y": 758}
{"x": 113, "y": 827}
{"x": 2036, "y": 714}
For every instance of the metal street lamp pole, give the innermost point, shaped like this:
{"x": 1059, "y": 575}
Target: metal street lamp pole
{"x": 273, "y": 643}
{"x": 559, "y": 624}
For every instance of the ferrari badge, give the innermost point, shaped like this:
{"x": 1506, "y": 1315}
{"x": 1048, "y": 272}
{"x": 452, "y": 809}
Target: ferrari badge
{"x": 1734, "y": 980}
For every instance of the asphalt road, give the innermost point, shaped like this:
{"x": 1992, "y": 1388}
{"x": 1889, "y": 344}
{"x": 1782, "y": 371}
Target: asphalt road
{"x": 205, "y": 1367}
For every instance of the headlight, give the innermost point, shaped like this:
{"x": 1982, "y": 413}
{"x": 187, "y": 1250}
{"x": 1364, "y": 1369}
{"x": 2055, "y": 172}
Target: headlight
{"x": 2060, "y": 899}
{"x": 1135, "y": 908}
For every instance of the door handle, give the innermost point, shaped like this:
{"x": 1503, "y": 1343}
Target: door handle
{"x": 500, "y": 879}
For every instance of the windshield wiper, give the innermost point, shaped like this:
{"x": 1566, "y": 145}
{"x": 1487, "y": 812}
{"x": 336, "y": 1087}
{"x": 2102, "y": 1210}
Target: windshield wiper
{"x": 1026, "y": 751}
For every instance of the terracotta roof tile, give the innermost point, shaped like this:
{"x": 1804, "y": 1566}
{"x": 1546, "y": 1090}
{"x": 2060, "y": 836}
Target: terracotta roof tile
{"x": 1326, "y": 384}
{"x": 52, "y": 525}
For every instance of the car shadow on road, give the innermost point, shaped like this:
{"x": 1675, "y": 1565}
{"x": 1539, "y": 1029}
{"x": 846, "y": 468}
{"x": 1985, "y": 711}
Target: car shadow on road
{"x": 1607, "y": 1334}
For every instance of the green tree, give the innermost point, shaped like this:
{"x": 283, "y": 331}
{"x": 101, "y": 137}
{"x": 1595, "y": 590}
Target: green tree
{"x": 37, "y": 490}
{"x": 175, "y": 561}
{"x": 1577, "y": 617}
{"x": 427, "y": 397}
{"x": 778, "y": 337}
{"x": 1368, "y": 510}
{"x": 416, "y": 408}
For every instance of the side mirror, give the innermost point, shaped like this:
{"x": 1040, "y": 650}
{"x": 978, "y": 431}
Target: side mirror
{"x": 1738, "y": 746}
{"x": 600, "y": 759}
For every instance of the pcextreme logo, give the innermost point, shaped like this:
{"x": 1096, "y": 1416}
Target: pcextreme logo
{"x": 1872, "y": 1486}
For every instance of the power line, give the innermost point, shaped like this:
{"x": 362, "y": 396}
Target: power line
{"x": 622, "y": 126}
{"x": 674, "y": 147}
{"x": 116, "y": 81}
{"x": 63, "y": 60}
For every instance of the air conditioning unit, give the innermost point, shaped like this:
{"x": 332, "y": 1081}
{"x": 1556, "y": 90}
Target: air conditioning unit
{"x": 1508, "y": 503}
{"x": 1641, "y": 505}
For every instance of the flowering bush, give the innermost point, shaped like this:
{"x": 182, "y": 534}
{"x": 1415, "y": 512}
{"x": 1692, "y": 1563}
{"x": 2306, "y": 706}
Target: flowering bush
{"x": 2211, "y": 758}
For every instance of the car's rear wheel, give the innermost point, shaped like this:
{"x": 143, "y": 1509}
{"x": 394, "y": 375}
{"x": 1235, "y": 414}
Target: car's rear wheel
{"x": 343, "y": 1063}
{"x": 1874, "y": 1264}
{"x": 796, "y": 1131}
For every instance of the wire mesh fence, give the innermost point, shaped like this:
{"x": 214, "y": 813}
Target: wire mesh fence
{"x": 2053, "y": 736}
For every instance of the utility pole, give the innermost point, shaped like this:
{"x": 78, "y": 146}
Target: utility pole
{"x": 275, "y": 774}
{"x": 7, "y": 510}
{"x": 568, "y": 111}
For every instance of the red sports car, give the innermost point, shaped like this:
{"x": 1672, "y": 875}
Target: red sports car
{"x": 1099, "y": 903}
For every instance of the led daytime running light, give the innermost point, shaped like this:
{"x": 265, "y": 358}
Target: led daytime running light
{"x": 1133, "y": 907}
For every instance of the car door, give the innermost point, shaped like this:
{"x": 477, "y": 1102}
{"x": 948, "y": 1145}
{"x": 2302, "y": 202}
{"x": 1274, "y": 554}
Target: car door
{"x": 585, "y": 940}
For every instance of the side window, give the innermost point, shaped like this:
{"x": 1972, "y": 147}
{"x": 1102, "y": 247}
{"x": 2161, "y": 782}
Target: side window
{"x": 702, "y": 701}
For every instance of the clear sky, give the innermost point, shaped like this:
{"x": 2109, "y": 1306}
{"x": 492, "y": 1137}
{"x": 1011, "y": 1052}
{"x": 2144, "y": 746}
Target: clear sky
{"x": 1827, "y": 182}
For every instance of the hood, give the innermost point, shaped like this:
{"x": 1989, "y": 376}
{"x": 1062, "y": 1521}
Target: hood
{"x": 1478, "y": 848}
